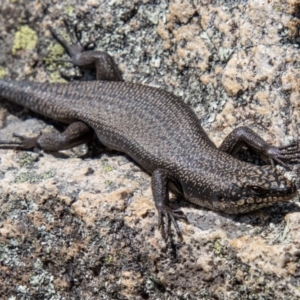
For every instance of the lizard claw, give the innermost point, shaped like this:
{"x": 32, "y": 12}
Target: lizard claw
{"x": 25, "y": 143}
{"x": 166, "y": 216}
{"x": 75, "y": 34}
{"x": 284, "y": 155}
{"x": 294, "y": 146}
{"x": 75, "y": 48}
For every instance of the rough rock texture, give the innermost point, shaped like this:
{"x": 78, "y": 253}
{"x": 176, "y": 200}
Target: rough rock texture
{"x": 76, "y": 226}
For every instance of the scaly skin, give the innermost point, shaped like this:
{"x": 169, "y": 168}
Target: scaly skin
{"x": 158, "y": 131}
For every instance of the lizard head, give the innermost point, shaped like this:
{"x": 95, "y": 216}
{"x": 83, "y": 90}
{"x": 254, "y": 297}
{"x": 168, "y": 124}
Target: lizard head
{"x": 243, "y": 190}
{"x": 259, "y": 187}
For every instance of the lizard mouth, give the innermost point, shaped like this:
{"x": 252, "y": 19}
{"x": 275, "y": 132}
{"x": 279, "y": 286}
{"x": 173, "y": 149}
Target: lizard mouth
{"x": 252, "y": 204}
{"x": 279, "y": 195}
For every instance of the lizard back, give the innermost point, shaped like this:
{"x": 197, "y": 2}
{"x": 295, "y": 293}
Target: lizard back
{"x": 142, "y": 121}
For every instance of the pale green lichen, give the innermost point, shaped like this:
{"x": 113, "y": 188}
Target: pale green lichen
{"x": 51, "y": 61}
{"x": 55, "y": 52}
{"x": 2, "y": 72}
{"x": 217, "y": 247}
{"x": 69, "y": 10}
{"x": 14, "y": 1}
{"x": 27, "y": 160}
{"x": 107, "y": 168}
{"x": 33, "y": 177}
{"x": 108, "y": 259}
{"x": 278, "y": 8}
{"x": 25, "y": 39}
{"x": 56, "y": 77}
{"x": 47, "y": 175}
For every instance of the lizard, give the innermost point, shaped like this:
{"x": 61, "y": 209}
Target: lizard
{"x": 159, "y": 132}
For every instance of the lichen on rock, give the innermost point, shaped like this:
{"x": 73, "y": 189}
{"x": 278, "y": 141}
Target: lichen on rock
{"x": 75, "y": 224}
{"x": 25, "y": 39}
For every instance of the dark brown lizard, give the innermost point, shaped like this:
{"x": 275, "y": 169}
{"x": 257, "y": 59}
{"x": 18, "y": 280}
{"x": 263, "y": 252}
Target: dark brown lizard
{"x": 159, "y": 132}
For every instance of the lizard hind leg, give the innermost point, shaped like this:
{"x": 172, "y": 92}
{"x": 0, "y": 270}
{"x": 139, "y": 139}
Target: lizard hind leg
{"x": 75, "y": 134}
{"x": 81, "y": 56}
{"x": 74, "y": 48}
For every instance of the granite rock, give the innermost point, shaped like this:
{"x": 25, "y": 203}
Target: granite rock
{"x": 79, "y": 225}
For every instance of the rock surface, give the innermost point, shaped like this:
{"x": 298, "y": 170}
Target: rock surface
{"x": 73, "y": 226}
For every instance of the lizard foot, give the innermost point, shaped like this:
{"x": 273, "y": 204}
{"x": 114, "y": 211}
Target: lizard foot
{"x": 166, "y": 216}
{"x": 84, "y": 57}
{"x": 284, "y": 155}
{"x": 75, "y": 48}
{"x": 25, "y": 143}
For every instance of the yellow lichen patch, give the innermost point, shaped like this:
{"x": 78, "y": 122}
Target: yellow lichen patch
{"x": 55, "y": 52}
{"x": 56, "y": 77}
{"x": 2, "y": 72}
{"x": 25, "y": 39}
{"x": 69, "y": 10}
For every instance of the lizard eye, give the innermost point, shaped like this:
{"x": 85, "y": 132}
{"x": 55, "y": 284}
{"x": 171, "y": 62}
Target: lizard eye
{"x": 257, "y": 191}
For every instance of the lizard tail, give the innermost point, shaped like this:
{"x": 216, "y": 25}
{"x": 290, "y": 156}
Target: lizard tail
{"x": 20, "y": 92}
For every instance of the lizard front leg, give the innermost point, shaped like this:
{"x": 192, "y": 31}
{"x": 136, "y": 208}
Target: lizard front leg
{"x": 245, "y": 136}
{"x": 106, "y": 68}
{"x": 160, "y": 190}
{"x": 75, "y": 134}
